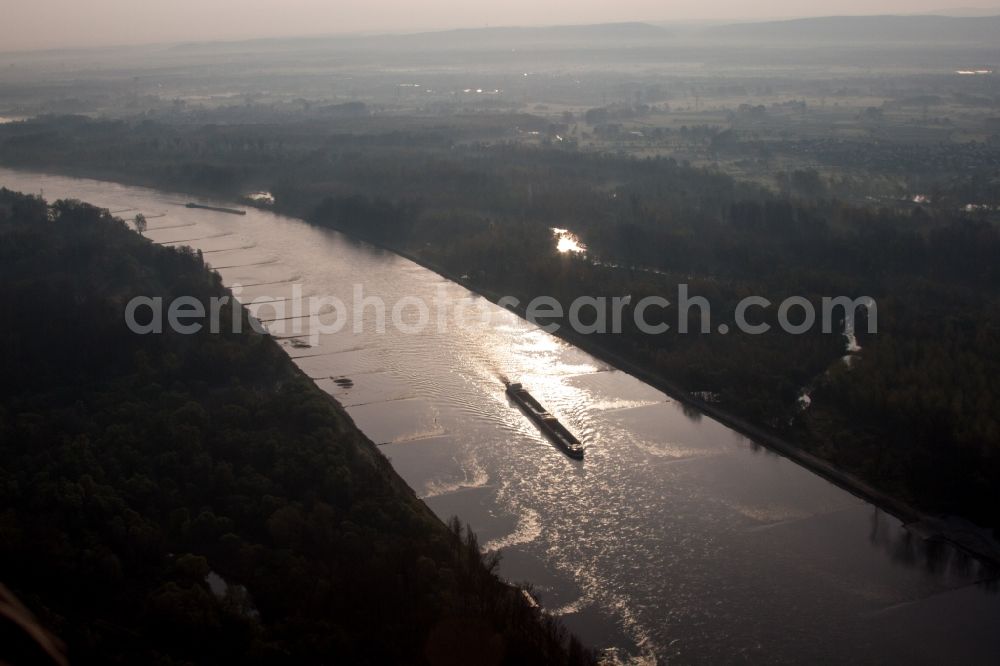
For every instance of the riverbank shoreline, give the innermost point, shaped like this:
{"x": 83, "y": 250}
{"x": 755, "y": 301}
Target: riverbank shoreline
{"x": 961, "y": 534}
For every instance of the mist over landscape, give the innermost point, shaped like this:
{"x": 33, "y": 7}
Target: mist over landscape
{"x": 534, "y": 333}
{"x": 48, "y": 24}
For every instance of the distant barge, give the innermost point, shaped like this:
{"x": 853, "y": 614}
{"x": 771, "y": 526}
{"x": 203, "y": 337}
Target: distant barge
{"x": 218, "y": 209}
{"x": 547, "y": 423}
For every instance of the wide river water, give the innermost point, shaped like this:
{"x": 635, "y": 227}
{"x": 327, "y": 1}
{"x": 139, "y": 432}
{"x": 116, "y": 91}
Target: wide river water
{"x": 675, "y": 540}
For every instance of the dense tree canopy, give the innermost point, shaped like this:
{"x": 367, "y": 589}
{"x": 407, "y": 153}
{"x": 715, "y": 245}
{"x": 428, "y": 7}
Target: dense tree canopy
{"x": 176, "y": 499}
{"x": 915, "y": 413}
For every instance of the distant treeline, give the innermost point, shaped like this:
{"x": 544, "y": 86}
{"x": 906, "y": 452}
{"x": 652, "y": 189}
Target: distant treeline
{"x": 917, "y": 413}
{"x": 172, "y": 499}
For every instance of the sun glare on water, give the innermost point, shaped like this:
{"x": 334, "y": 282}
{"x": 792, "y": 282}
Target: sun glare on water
{"x": 566, "y": 241}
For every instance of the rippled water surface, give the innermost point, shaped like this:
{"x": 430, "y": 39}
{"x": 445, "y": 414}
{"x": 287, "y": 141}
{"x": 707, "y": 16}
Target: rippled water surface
{"x": 676, "y": 539}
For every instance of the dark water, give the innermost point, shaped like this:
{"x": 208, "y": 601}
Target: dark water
{"x": 676, "y": 540}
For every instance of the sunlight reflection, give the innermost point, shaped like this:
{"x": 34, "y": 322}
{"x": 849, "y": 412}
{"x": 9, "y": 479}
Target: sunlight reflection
{"x": 567, "y": 241}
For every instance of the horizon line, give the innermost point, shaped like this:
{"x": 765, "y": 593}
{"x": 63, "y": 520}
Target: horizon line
{"x": 363, "y": 34}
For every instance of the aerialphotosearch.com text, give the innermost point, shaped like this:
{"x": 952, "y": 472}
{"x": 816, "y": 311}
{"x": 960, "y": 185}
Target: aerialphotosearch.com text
{"x": 314, "y": 316}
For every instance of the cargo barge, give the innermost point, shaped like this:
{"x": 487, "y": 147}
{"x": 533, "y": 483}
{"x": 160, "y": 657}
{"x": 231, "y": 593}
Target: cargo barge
{"x": 548, "y": 424}
{"x": 218, "y": 209}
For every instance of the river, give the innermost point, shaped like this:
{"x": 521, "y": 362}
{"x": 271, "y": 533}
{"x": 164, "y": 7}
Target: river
{"x": 676, "y": 540}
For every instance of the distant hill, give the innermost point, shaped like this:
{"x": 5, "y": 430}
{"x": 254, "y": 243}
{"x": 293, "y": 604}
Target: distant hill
{"x": 506, "y": 37}
{"x": 547, "y": 35}
{"x": 966, "y": 11}
{"x": 921, "y": 29}
{"x": 872, "y": 29}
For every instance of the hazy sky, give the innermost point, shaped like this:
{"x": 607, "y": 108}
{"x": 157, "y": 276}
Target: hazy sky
{"x": 29, "y": 24}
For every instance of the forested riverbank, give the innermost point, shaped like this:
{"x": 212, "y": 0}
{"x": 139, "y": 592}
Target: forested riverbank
{"x": 914, "y": 413}
{"x": 176, "y": 499}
